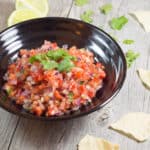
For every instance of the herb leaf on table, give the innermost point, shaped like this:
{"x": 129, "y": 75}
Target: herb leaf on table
{"x": 131, "y": 56}
{"x": 81, "y": 2}
{"x": 105, "y": 9}
{"x": 87, "y": 16}
{"x": 118, "y": 23}
{"x": 128, "y": 41}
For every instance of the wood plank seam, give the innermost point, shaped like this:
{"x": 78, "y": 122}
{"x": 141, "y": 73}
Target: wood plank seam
{"x": 70, "y": 9}
{"x": 13, "y": 133}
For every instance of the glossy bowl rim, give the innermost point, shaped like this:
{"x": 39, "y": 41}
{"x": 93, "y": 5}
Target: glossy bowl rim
{"x": 63, "y": 117}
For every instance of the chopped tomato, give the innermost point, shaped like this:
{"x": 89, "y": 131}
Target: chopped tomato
{"x": 54, "y": 45}
{"x": 37, "y": 110}
{"x": 37, "y": 79}
{"x": 58, "y": 95}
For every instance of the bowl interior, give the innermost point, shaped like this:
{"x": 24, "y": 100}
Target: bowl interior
{"x": 31, "y": 34}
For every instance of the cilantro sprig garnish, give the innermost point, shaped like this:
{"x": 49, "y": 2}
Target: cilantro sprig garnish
{"x": 65, "y": 65}
{"x": 55, "y": 59}
{"x": 118, "y": 23}
{"x": 87, "y": 16}
{"x": 57, "y": 54}
{"x": 81, "y": 2}
{"x": 105, "y": 9}
{"x": 70, "y": 96}
{"x": 128, "y": 41}
{"x": 49, "y": 64}
{"x": 131, "y": 56}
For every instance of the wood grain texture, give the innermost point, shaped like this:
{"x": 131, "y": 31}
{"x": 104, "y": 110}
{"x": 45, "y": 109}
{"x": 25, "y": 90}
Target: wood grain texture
{"x": 8, "y": 122}
{"x": 59, "y": 8}
{"x": 6, "y": 7}
{"x": 65, "y": 135}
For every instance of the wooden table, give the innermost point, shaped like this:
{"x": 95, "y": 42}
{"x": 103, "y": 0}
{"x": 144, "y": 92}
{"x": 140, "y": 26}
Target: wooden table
{"x": 22, "y": 134}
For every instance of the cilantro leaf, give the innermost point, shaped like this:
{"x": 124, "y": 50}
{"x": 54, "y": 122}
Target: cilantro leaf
{"x": 70, "y": 57}
{"x": 87, "y": 16}
{"x": 70, "y": 96}
{"x": 51, "y": 59}
{"x": 131, "y": 56}
{"x": 81, "y": 2}
{"x": 37, "y": 57}
{"x": 57, "y": 54}
{"x": 118, "y": 23}
{"x": 8, "y": 89}
{"x": 49, "y": 64}
{"x": 81, "y": 82}
{"x": 127, "y": 41}
{"x": 105, "y": 9}
{"x": 65, "y": 65}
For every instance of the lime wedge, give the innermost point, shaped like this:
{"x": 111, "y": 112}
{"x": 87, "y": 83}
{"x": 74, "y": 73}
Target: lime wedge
{"x": 21, "y": 15}
{"x": 41, "y": 7}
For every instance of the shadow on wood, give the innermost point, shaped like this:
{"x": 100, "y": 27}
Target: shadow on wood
{"x": 32, "y": 134}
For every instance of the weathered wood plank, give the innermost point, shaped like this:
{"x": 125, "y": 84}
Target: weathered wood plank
{"x": 59, "y": 8}
{"x": 36, "y": 135}
{"x": 6, "y": 7}
{"x": 133, "y": 97}
{"x": 8, "y": 121}
{"x": 8, "y": 124}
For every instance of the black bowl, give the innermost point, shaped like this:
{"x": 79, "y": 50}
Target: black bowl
{"x": 32, "y": 33}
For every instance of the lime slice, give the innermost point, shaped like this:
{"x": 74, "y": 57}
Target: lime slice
{"x": 41, "y": 7}
{"x": 21, "y": 15}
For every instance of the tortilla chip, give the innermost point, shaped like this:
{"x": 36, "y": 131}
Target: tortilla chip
{"x": 134, "y": 125}
{"x": 143, "y": 17}
{"x": 144, "y": 76}
{"x": 94, "y": 143}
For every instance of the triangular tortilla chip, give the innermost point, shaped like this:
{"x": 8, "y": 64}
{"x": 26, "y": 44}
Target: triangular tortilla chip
{"x": 144, "y": 76}
{"x": 134, "y": 125}
{"x": 143, "y": 17}
{"x": 94, "y": 143}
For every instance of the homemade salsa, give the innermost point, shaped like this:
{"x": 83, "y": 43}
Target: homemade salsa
{"x": 53, "y": 81}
